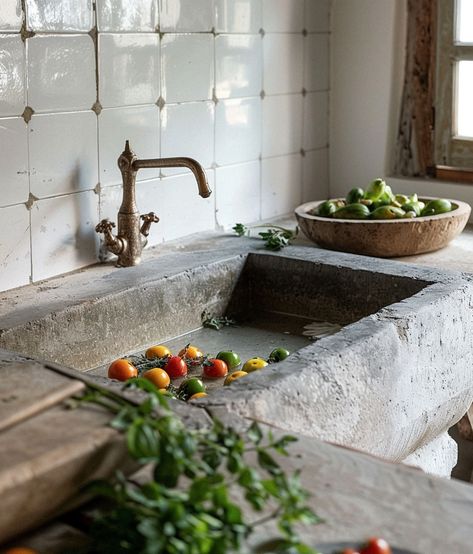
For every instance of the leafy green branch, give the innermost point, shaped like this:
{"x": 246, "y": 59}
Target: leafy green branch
{"x": 275, "y": 237}
{"x": 187, "y": 506}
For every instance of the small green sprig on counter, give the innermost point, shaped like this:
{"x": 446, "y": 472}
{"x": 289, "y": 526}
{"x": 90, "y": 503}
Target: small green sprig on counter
{"x": 379, "y": 202}
{"x": 275, "y": 237}
{"x": 216, "y": 322}
{"x": 186, "y": 505}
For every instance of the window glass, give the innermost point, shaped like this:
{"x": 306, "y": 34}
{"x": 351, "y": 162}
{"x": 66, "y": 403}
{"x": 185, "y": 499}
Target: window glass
{"x": 464, "y": 104}
{"x": 464, "y": 30}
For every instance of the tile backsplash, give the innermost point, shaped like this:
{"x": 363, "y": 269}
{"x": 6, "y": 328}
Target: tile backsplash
{"x": 240, "y": 85}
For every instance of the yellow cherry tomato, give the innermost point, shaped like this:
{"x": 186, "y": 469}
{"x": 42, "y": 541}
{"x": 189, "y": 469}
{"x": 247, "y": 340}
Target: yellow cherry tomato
{"x": 191, "y": 352}
{"x": 158, "y": 377}
{"x": 198, "y": 395}
{"x": 234, "y": 376}
{"x": 158, "y": 351}
{"x": 253, "y": 364}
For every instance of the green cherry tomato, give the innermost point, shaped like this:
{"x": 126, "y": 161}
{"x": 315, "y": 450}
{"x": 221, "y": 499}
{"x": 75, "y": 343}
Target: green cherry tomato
{"x": 232, "y": 359}
{"x": 191, "y": 386}
{"x": 355, "y": 195}
{"x": 278, "y": 355}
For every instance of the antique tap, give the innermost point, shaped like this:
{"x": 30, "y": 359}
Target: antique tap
{"x": 131, "y": 238}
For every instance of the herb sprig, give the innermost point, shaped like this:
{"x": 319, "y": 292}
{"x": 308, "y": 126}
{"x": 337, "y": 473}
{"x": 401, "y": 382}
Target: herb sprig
{"x": 216, "y": 322}
{"x": 187, "y": 506}
{"x": 275, "y": 237}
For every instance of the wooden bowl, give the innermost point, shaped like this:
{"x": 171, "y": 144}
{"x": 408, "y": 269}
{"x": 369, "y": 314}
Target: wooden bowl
{"x": 384, "y": 238}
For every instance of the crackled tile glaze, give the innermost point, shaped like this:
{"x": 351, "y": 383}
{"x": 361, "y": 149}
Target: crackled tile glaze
{"x": 65, "y": 16}
{"x": 123, "y": 15}
{"x": 12, "y": 75}
{"x": 13, "y": 161}
{"x": 238, "y": 16}
{"x": 190, "y": 16}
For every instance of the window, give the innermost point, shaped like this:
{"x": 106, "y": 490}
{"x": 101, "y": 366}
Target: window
{"x": 454, "y": 87}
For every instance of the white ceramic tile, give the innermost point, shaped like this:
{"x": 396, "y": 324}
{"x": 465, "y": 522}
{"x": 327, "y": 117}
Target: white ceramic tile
{"x": 10, "y": 16}
{"x": 123, "y": 15}
{"x": 186, "y": 15}
{"x": 316, "y": 62}
{"x": 128, "y": 69}
{"x": 139, "y": 125}
{"x": 283, "y": 16}
{"x": 188, "y": 130}
{"x": 15, "y": 261}
{"x": 12, "y": 75}
{"x": 177, "y": 203}
{"x": 63, "y": 17}
{"x": 315, "y": 180}
{"x": 238, "y": 61}
{"x": 315, "y": 120}
{"x": 238, "y": 131}
{"x": 14, "y": 187}
{"x": 282, "y": 124}
{"x": 237, "y": 193}
{"x": 187, "y": 67}
{"x": 63, "y": 234}
{"x": 110, "y": 202}
{"x": 63, "y": 153}
{"x": 61, "y": 72}
{"x": 317, "y": 16}
{"x": 281, "y": 185}
{"x": 238, "y": 16}
{"x": 282, "y": 68}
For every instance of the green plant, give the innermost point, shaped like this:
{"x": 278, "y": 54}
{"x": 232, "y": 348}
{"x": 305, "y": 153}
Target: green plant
{"x": 275, "y": 237}
{"x": 216, "y": 322}
{"x": 187, "y": 507}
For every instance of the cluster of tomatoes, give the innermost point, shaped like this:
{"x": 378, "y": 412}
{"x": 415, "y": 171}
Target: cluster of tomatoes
{"x": 170, "y": 367}
{"x": 373, "y": 546}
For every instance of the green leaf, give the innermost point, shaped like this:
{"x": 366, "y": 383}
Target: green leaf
{"x": 254, "y": 433}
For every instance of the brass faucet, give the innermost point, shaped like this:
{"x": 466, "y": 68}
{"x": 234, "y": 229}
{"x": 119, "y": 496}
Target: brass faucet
{"x": 131, "y": 238}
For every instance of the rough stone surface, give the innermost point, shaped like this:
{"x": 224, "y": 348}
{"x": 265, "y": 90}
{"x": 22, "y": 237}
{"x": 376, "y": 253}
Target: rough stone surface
{"x": 393, "y": 380}
{"x": 437, "y": 457}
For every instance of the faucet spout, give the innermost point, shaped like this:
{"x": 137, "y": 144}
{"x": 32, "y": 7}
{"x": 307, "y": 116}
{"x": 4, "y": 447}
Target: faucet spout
{"x": 193, "y": 165}
{"x": 131, "y": 237}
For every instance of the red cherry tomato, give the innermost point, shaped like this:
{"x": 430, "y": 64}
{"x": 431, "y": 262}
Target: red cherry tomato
{"x": 376, "y": 546}
{"x": 176, "y": 367}
{"x": 215, "y": 369}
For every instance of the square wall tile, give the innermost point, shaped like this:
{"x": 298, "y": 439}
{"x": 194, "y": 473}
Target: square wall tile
{"x": 238, "y": 131}
{"x": 315, "y": 179}
{"x": 15, "y": 258}
{"x": 123, "y": 15}
{"x": 139, "y": 125}
{"x": 282, "y": 63}
{"x": 110, "y": 202}
{"x": 316, "y": 62}
{"x": 10, "y": 16}
{"x": 177, "y": 203}
{"x": 238, "y": 16}
{"x": 61, "y": 72}
{"x": 128, "y": 69}
{"x": 238, "y": 194}
{"x": 187, "y": 67}
{"x": 315, "y": 120}
{"x": 283, "y": 16}
{"x": 281, "y": 185}
{"x": 12, "y": 75}
{"x": 317, "y": 16}
{"x": 282, "y": 124}
{"x": 63, "y": 153}
{"x": 63, "y": 17}
{"x": 188, "y": 130}
{"x": 14, "y": 186}
{"x": 177, "y": 16}
{"x": 238, "y": 61}
{"x": 63, "y": 234}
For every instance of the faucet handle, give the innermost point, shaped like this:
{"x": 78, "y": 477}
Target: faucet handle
{"x": 105, "y": 226}
{"x": 148, "y": 219}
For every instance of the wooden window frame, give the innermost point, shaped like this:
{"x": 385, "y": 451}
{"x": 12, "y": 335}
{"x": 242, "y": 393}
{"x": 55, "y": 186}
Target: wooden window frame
{"x": 453, "y": 155}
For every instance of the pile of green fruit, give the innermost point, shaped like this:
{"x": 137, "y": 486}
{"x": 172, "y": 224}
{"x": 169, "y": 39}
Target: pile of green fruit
{"x": 379, "y": 202}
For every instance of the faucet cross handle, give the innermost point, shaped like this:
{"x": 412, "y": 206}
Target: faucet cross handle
{"x": 105, "y": 226}
{"x": 148, "y": 219}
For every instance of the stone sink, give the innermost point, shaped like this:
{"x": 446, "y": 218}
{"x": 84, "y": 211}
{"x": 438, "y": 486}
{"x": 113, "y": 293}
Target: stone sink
{"x": 390, "y": 382}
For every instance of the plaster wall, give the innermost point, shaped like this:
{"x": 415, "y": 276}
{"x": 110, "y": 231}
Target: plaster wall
{"x": 240, "y": 85}
{"x": 367, "y": 72}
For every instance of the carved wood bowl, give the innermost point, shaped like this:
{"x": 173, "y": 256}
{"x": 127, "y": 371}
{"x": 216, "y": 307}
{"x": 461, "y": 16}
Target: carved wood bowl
{"x": 384, "y": 238}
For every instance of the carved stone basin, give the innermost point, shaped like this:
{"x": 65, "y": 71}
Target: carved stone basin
{"x": 391, "y": 382}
